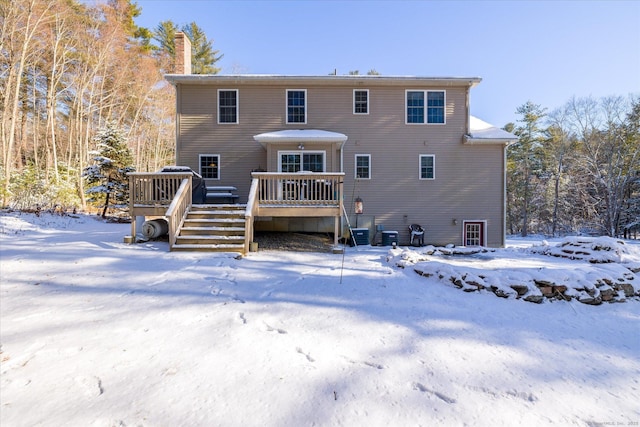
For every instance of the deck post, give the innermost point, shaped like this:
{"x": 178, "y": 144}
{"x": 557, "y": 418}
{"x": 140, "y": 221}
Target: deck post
{"x": 132, "y": 212}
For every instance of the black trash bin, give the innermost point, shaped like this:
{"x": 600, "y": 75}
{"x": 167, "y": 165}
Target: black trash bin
{"x": 198, "y": 186}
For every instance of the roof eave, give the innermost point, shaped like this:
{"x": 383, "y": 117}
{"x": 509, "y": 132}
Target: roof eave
{"x": 488, "y": 141}
{"x": 175, "y": 79}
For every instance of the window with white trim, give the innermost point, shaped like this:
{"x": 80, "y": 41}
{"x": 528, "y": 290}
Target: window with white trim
{"x": 297, "y": 161}
{"x": 227, "y": 106}
{"x": 210, "y": 166}
{"x": 361, "y": 101}
{"x": 425, "y": 106}
{"x": 427, "y": 166}
{"x": 363, "y": 166}
{"x": 296, "y": 106}
{"x": 435, "y": 107}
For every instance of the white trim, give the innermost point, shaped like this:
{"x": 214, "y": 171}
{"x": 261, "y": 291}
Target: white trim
{"x": 301, "y": 153}
{"x": 237, "y": 91}
{"x": 355, "y": 166}
{"x": 444, "y": 107}
{"x": 420, "y": 167}
{"x": 405, "y": 106}
{"x": 200, "y": 156}
{"x": 354, "y": 102}
{"x": 286, "y": 106}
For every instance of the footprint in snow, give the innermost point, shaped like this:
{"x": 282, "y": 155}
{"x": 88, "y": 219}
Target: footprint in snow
{"x": 243, "y": 319}
{"x": 365, "y": 363}
{"x": 217, "y": 292}
{"x": 423, "y": 389}
{"x": 308, "y": 357}
{"x": 90, "y": 385}
{"x": 271, "y": 329}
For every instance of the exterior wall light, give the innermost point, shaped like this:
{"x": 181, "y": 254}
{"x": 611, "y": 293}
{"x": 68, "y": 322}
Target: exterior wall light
{"x": 358, "y": 207}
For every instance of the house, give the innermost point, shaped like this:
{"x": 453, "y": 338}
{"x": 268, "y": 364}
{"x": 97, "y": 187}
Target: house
{"x": 306, "y": 148}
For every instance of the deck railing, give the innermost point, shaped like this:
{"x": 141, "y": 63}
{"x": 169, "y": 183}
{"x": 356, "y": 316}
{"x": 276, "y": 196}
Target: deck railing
{"x": 178, "y": 210}
{"x": 154, "y": 194}
{"x": 153, "y": 188}
{"x": 299, "y": 189}
{"x": 271, "y": 194}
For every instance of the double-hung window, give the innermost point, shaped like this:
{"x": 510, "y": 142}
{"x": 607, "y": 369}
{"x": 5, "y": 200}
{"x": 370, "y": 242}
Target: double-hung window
{"x": 435, "y": 107}
{"x": 210, "y": 166}
{"x": 415, "y": 106}
{"x": 360, "y": 101}
{"x": 296, "y": 106}
{"x": 363, "y": 166}
{"x": 427, "y": 166}
{"x": 227, "y": 106}
{"x": 425, "y": 106}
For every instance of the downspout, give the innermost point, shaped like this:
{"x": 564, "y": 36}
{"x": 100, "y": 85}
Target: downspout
{"x": 342, "y": 195}
{"x": 177, "y": 129}
{"x": 504, "y": 195}
{"x": 468, "y": 118}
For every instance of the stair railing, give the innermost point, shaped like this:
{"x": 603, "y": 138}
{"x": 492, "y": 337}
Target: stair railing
{"x": 178, "y": 210}
{"x": 250, "y": 213}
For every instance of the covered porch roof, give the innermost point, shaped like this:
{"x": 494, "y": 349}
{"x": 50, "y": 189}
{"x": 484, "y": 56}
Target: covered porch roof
{"x": 300, "y": 136}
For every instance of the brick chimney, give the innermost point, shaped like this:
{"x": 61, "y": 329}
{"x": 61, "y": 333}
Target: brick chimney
{"x": 183, "y": 54}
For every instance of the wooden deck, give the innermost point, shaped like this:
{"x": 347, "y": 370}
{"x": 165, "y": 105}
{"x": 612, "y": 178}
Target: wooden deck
{"x": 271, "y": 195}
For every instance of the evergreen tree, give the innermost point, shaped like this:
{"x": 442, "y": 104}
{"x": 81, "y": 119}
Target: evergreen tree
{"x": 526, "y": 158}
{"x": 165, "y": 35}
{"x": 203, "y": 56}
{"x": 107, "y": 180}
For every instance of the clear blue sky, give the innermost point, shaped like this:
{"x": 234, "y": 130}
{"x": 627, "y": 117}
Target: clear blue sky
{"x": 543, "y": 51}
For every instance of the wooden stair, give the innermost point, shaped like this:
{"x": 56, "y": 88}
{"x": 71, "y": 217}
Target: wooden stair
{"x": 213, "y": 228}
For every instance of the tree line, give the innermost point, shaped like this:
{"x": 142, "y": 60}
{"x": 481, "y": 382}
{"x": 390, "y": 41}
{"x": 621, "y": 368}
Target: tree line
{"x": 67, "y": 70}
{"x": 575, "y": 169}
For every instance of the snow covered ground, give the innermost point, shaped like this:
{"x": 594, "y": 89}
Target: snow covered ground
{"x": 95, "y": 332}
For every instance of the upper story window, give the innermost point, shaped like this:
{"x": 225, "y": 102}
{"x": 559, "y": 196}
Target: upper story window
{"x": 210, "y": 166}
{"x": 431, "y": 111}
{"x": 415, "y": 107}
{"x": 296, "y": 106}
{"x": 435, "y": 106}
{"x": 361, "y": 101}
{"x": 227, "y": 106}
{"x": 427, "y": 166}
{"x": 363, "y": 166}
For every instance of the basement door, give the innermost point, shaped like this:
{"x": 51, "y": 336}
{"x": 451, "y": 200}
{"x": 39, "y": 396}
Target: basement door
{"x": 474, "y": 233}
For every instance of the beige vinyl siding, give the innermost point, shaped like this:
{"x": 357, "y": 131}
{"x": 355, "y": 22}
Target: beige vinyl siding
{"x": 468, "y": 182}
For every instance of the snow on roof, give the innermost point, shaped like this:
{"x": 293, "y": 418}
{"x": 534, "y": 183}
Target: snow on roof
{"x": 481, "y": 130}
{"x": 300, "y": 135}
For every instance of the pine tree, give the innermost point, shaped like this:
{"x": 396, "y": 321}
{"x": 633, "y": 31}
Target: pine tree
{"x": 107, "y": 180}
{"x": 203, "y": 56}
{"x": 525, "y": 157}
